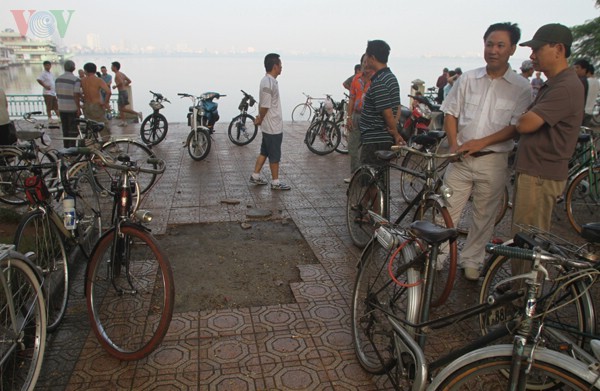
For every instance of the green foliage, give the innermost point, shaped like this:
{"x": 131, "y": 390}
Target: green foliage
{"x": 586, "y": 38}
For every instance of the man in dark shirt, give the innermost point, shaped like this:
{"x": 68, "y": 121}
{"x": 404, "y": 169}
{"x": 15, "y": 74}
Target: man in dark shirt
{"x": 381, "y": 102}
{"x": 549, "y": 129}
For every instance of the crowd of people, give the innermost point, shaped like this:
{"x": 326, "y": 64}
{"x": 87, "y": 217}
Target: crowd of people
{"x": 485, "y": 111}
{"x": 67, "y": 97}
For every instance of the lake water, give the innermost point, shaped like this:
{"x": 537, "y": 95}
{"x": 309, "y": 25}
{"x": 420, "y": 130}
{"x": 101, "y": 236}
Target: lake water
{"x": 170, "y": 75}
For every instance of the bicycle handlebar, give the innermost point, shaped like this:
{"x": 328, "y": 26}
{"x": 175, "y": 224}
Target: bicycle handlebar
{"x": 532, "y": 254}
{"x": 431, "y": 155}
{"x": 92, "y": 151}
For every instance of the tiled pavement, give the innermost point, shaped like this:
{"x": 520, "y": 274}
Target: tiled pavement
{"x": 305, "y": 345}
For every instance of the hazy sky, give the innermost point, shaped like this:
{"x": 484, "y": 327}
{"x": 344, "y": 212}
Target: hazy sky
{"x": 412, "y": 28}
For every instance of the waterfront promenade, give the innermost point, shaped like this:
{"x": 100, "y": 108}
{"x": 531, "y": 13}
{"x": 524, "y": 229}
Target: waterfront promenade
{"x": 301, "y": 345}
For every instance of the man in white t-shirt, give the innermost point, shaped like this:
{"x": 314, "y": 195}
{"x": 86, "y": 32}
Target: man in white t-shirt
{"x": 270, "y": 120}
{"x": 46, "y": 80}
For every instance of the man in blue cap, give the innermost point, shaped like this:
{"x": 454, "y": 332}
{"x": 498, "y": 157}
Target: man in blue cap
{"x": 548, "y": 129}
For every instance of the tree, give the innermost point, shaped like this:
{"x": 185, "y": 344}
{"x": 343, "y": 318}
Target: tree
{"x": 586, "y": 40}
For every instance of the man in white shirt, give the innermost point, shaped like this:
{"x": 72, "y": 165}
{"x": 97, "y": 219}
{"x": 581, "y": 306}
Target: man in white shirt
{"x": 46, "y": 80}
{"x": 593, "y": 91}
{"x": 270, "y": 120}
{"x": 480, "y": 116}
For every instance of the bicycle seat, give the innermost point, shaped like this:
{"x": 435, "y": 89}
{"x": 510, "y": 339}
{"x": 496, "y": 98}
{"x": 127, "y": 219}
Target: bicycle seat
{"x": 28, "y": 135}
{"x": 591, "y": 232}
{"x": 583, "y": 138}
{"x": 386, "y": 155}
{"x": 432, "y": 233}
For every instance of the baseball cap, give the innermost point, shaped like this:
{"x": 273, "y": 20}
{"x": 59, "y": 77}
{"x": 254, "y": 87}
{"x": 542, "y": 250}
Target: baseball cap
{"x": 550, "y": 33}
{"x": 526, "y": 65}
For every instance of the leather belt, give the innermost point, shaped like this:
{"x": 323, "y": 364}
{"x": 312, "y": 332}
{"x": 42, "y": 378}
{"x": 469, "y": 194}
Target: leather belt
{"x": 481, "y": 153}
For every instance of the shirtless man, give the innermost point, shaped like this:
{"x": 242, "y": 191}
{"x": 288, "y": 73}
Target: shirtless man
{"x": 122, "y": 82}
{"x": 94, "y": 107}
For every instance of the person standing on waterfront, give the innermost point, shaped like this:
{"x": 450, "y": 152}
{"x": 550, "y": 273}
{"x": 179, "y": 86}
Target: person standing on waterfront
{"x": 359, "y": 86}
{"x": 270, "y": 120}
{"x": 593, "y": 91}
{"x": 68, "y": 94}
{"x": 548, "y": 130}
{"x": 357, "y": 69}
{"x": 480, "y": 115}
{"x": 46, "y": 80}
{"x": 104, "y": 75}
{"x": 122, "y": 83}
{"x": 536, "y": 84}
{"x": 440, "y": 84}
{"x": 4, "y": 120}
{"x": 527, "y": 69}
{"x": 377, "y": 123}
{"x": 94, "y": 107}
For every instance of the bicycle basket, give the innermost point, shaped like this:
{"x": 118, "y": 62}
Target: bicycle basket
{"x": 36, "y": 190}
{"x": 156, "y": 105}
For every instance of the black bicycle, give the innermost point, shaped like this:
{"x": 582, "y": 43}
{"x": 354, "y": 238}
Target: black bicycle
{"x": 242, "y": 129}
{"x": 155, "y": 126}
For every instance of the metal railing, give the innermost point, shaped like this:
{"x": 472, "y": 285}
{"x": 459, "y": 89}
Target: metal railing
{"x": 21, "y": 104}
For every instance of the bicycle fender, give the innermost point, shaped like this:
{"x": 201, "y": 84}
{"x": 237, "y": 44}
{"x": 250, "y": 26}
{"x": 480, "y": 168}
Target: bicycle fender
{"x": 439, "y": 199}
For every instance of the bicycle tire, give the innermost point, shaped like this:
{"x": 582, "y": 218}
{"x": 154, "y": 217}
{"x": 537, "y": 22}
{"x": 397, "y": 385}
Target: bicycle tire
{"x": 323, "y": 137}
{"x": 38, "y": 237}
{"x": 12, "y": 183}
{"x": 487, "y": 368}
{"x": 578, "y": 317}
{"x": 302, "y": 113}
{"x": 154, "y": 129}
{"x": 411, "y": 185}
{"x": 372, "y": 333}
{"x": 138, "y": 152}
{"x": 343, "y": 145}
{"x": 88, "y": 212}
{"x": 237, "y": 130}
{"x": 465, "y": 219}
{"x": 359, "y": 202}
{"x": 198, "y": 144}
{"x": 21, "y": 370}
{"x": 432, "y": 210}
{"x": 583, "y": 198}
{"x": 130, "y": 322}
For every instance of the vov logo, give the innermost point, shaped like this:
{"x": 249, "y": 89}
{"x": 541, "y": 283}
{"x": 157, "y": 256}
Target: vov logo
{"x": 43, "y": 24}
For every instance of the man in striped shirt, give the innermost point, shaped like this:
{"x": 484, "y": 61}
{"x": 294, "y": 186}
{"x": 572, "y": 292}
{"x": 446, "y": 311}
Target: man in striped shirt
{"x": 377, "y": 122}
{"x": 68, "y": 93}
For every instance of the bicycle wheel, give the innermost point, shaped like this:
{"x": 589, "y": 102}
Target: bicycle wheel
{"x": 445, "y": 273}
{"x": 154, "y": 129}
{"x": 88, "y": 213}
{"x": 467, "y": 215}
{"x": 138, "y": 152}
{"x": 39, "y": 239}
{"x": 583, "y": 198}
{"x": 242, "y": 129}
{"x": 376, "y": 292}
{"x": 487, "y": 369}
{"x": 23, "y": 333}
{"x": 198, "y": 144}
{"x": 12, "y": 183}
{"x": 302, "y": 113}
{"x": 570, "y": 311}
{"x": 411, "y": 185}
{"x": 365, "y": 192}
{"x": 50, "y": 175}
{"x": 130, "y": 293}
{"x": 343, "y": 146}
{"x": 323, "y": 137}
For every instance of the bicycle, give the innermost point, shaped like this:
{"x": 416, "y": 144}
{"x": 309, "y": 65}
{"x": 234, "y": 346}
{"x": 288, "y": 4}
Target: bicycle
{"x": 129, "y": 281}
{"x": 339, "y": 118}
{"x": 242, "y": 129}
{"x": 369, "y": 195}
{"x": 44, "y": 233}
{"x": 32, "y": 149}
{"x": 303, "y": 112}
{"x": 582, "y": 199}
{"x": 391, "y": 320}
{"x": 155, "y": 126}
{"x": 410, "y": 185}
{"x": 22, "y": 322}
{"x": 323, "y": 135}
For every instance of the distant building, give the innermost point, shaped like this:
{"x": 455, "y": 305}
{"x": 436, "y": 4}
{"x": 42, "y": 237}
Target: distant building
{"x": 16, "y": 49}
